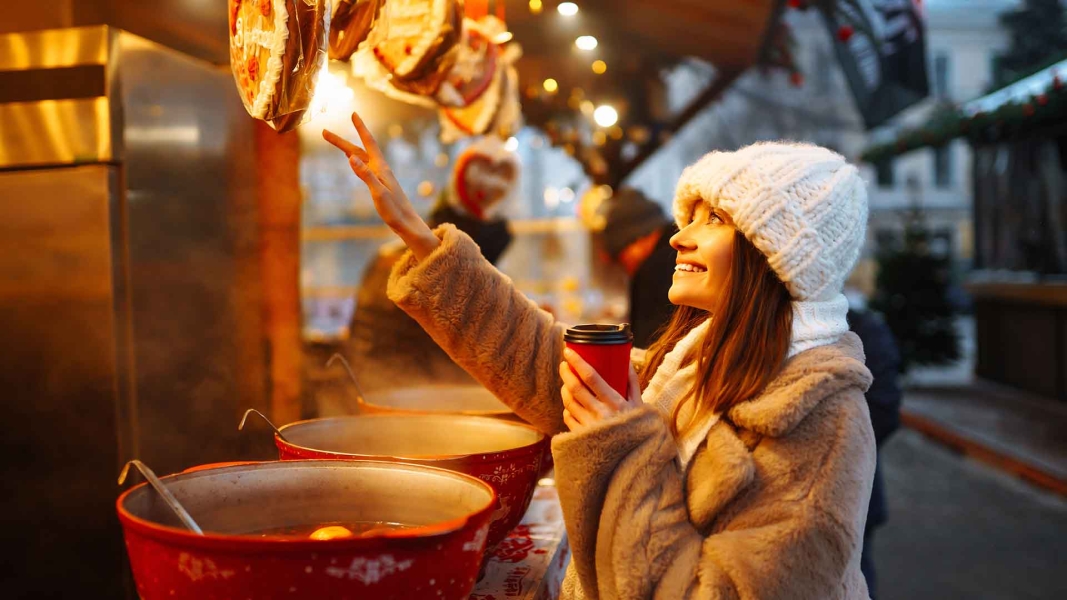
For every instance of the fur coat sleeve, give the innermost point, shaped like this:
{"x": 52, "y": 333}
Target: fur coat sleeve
{"x": 492, "y": 330}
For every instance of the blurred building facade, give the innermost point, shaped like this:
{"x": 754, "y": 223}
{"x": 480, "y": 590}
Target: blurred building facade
{"x": 964, "y": 38}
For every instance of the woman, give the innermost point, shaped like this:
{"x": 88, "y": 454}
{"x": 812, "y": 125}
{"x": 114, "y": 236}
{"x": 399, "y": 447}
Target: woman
{"x": 739, "y": 464}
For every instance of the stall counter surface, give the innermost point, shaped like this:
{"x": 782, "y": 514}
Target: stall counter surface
{"x": 529, "y": 564}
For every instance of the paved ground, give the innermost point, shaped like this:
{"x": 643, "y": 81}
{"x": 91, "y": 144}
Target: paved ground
{"x": 960, "y": 529}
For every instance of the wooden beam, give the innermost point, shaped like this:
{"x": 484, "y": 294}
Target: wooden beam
{"x": 278, "y": 194}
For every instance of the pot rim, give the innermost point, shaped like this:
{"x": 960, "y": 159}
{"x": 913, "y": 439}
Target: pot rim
{"x": 281, "y": 544}
{"x": 536, "y": 446}
{"x": 503, "y": 412}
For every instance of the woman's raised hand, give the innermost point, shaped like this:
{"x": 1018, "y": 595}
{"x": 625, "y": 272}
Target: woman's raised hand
{"x": 392, "y": 204}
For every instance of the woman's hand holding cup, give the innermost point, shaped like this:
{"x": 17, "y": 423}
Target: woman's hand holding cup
{"x": 587, "y": 397}
{"x": 390, "y": 201}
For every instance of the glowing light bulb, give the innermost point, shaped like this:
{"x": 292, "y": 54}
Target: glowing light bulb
{"x": 605, "y": 115}
{"x": 551, "y": 85}
{"x": 536, "y": 6}
{"x": 586, "y": 42}
{"x": 600, "y": 67}
{"x": 567, "y": 9}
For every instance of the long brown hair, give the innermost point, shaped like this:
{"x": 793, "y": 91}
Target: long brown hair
{"x": 746, "y": 343}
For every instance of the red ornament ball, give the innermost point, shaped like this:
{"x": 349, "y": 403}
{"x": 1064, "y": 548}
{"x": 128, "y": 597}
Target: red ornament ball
{"x": 798, "y": 4}
{"x": 845, "y": 33}
{"x": 796, "y": 79}
{"x": 1042, "y": 99}
{"x": 1057, "y": 83}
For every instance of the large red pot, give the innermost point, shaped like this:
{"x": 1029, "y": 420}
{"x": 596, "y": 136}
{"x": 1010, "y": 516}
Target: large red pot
{"x": 505, "y": 454}
{"x": 437, "y": 557}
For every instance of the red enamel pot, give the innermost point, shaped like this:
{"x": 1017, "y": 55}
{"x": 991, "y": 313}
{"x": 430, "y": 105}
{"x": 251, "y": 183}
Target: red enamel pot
{"x": 255, "y": 518}
{"x": 505, "y": 454}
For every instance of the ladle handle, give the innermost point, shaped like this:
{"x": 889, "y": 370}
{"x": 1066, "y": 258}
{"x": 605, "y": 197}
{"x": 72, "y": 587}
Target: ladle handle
{"x": 168, "y": 497}
{"x": 241, "y": 426}
{"x": 337, "y": 357}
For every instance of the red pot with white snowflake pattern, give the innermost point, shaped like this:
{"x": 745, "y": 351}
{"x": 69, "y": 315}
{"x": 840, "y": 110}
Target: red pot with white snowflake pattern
{"x": 505, "y": 454}
{"x": 395, "y": 531}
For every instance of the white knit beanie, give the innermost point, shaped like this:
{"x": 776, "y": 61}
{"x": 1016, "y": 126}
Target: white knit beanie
{"x": 802, "y": 206}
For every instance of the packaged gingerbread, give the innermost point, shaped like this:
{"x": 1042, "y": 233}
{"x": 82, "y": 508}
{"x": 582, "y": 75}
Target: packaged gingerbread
{"x": 277, "y": 50}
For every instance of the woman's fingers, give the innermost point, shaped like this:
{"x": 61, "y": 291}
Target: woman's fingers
{"x": 579, "y": 411}
{"x": 377, "y": 190}
{"x": 570, "y": 421}
{"x": 344, "y": 145}
{"x": 368, "y": 140}
{"x": 578, "y": 397}
{"x": 592, "y": 379}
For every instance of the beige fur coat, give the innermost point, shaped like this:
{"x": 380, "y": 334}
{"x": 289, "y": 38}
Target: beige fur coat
{"x": 772, "y": 506}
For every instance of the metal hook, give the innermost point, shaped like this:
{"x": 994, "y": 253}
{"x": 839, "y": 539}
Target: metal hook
{"x": 241, "y": 426}
{"x": 359, "y": 392}
{"x": 168, "y": 497}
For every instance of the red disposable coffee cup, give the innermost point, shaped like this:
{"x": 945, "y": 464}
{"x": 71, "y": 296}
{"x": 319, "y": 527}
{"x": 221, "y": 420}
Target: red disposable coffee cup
{"x": 606, "y": 348}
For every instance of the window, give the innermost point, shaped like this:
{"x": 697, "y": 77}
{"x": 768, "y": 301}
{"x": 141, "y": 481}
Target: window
{"x": 941, "y": 66}
{"x": 943, "y": 166}
{"x": 885, "y": 173}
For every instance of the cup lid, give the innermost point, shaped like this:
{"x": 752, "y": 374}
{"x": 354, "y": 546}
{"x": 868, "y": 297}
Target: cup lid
{"x": 599, "y": 334}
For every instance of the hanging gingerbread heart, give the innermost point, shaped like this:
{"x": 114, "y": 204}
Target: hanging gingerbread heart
{"x": 277, "y": 49}
{"x": 476, "y": 62}
{"x": 484, "y": 175}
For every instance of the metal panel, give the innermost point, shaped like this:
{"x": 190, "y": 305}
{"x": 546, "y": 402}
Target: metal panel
{"x": 193, "y": 262}
{"x": 54, "y": 48}
{"x": 67, "y": 75}
{"x": 129, "y": 301}
{"x": 55, "y": 132}
{"x": 59, "y": 373}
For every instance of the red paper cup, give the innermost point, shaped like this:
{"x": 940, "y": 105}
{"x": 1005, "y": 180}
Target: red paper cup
{"x": 606, "y": 348}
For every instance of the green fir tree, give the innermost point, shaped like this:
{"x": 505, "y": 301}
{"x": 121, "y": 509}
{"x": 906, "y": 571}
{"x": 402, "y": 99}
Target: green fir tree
{"x": 912, "y": 295}
{"x": 1038, "y": 33}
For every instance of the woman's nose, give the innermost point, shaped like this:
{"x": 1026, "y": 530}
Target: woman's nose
{"x": 681, "y": 241}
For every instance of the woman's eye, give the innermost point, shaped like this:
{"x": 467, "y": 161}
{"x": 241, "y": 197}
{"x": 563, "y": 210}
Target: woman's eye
{"x": 714, "y": 219}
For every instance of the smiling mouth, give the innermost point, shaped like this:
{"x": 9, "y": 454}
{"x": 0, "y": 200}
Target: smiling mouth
{"x": 688, "y": 268}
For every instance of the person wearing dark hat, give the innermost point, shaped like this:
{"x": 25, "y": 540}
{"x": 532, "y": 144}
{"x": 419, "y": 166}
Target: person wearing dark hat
{"x": 635, "y": 233}
{"x": 388, "y": 349}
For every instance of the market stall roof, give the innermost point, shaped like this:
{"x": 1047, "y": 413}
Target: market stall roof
{"x": 1036, "y": 101}
{"x": 634, "y": 37}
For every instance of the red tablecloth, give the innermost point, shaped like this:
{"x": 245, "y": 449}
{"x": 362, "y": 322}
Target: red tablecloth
{"x": 529, "y": 564}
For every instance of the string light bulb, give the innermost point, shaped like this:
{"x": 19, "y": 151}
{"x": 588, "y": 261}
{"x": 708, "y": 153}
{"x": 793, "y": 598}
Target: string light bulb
{"x": 551, "y": 85}
{"x": 536, "y": 6}
{"x": 586, "y": 42}
{"x": 605, "y": 115}
{"x": 600, "y": 67}
{"x": 567, "y": 9}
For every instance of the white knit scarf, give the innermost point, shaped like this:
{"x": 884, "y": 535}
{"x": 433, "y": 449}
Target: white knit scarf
{"x": 814, "y": 324}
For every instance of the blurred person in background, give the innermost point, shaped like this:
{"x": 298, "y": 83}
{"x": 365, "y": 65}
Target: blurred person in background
{"x": 384, "y": 342}
{"x": 634, "y": 232}
{"x": 883, "y": 402}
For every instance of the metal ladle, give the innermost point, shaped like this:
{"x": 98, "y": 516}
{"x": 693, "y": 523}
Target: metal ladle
{"x": 241, "y": 426}
{"x": 168, "y": 497}
{"x": 359, "y": 392}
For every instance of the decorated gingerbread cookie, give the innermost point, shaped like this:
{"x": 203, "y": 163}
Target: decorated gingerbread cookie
{"x": 277, "y": 49}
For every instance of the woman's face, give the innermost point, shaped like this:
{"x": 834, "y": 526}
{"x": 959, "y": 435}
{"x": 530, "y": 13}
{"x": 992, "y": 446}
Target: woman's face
{"x": 705, "y": 252}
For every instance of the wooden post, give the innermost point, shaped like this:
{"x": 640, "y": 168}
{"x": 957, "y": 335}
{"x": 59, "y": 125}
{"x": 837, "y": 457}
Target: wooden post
{"x": 278, "y": 198}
